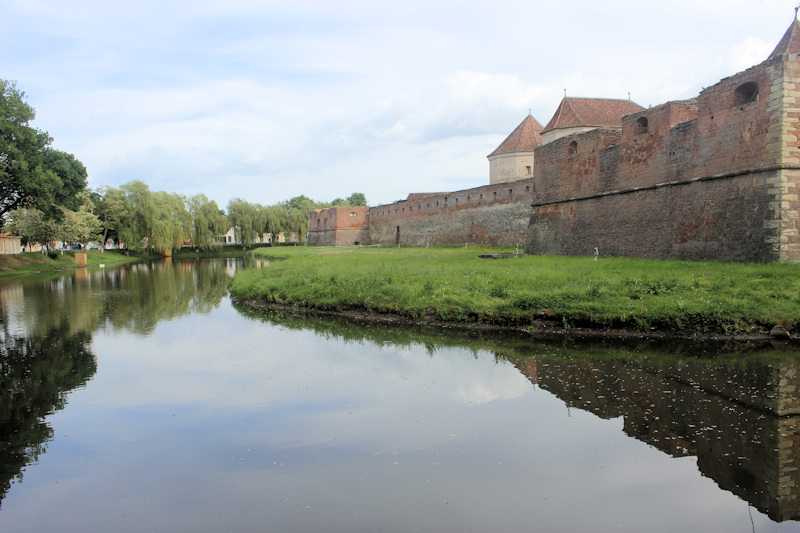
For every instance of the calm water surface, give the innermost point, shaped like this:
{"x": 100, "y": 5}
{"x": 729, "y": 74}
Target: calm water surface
{"x": 141, "y": 399}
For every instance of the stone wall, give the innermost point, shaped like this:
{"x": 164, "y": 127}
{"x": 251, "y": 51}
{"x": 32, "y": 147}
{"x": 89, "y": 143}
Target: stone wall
{"x": 712, "y": 178}
{"x": 338, "y": 226}
{"x": 492, "y": 214}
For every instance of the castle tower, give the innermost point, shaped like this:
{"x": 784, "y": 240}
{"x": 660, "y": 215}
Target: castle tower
{"x": 577, "y": 115}
{"x": 513, "y": 159}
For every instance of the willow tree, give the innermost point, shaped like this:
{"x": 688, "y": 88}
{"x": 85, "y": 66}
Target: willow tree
{"x": 173, "y": 223}
{"x": 208, "y": 221}
{"x": 245, "y": 219}
{"x": 153, "y": 221}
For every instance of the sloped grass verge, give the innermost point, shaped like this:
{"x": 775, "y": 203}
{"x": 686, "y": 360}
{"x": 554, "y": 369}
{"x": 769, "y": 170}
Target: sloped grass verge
{"x": 455, "y": 285}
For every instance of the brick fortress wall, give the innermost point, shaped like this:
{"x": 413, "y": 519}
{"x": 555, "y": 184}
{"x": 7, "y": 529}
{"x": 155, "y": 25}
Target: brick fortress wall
{"x": 338, "y": 226}
{"x": 492, "y": 214}
{"x": 711, "y": 178}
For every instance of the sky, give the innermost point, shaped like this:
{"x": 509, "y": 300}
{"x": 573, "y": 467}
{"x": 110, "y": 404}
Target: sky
{"x": 266, "y": 100}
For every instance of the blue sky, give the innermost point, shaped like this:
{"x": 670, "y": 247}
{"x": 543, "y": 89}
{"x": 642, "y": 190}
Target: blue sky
{"x": 267, "y": 100}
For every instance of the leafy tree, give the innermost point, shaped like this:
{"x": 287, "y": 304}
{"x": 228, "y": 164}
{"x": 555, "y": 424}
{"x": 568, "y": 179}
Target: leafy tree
{"x": 72, "y": 177}
{"x": 34, "y": 226}
{"x": 153, "y": 221}
{"x": 173, "y": 223}
{"x": 245, "y": 219}
{"x": 31, "y": 173}
{"x": 139, "y": 207}
{"x": 357, "y": 198}
{"x": 208, "y": 220}
{"x": 81, "y": 225}
{"x": 110, "y": 209}
{"x": 277, "y": 220}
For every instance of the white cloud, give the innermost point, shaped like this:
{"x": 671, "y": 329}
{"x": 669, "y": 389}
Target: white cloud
{"x": 270, "y": 100}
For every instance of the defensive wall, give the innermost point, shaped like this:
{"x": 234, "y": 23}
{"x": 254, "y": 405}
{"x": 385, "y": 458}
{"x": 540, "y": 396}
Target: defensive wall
{"x": 338, "y": 226}
{"x": 491, "y": 214}
{"x": 715, "y": 178}
{"x": 711, "y": 178}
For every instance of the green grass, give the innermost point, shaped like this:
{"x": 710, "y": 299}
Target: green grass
{"x": 32, "y": 262}
{"x": 455, "y": 285}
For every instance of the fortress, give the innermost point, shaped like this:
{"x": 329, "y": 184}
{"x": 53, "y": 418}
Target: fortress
{"x": 711, "y": 178}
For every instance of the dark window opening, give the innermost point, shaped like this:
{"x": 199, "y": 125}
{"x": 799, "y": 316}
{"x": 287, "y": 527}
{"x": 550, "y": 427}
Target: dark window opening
{"x": 573, "y": 149}
{"x": 641, "y": 125}
{"x": 745, "y": 94}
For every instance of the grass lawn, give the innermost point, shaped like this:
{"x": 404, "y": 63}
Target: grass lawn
{"x": 454, "y": 284}
{"x": 31, "y": 262}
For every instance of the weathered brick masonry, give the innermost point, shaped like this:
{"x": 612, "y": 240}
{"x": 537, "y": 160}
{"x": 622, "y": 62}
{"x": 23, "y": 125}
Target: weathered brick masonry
{"x": 338, "y": 226}
{"x": 495, "y": 214}
{"x": 711, "y": 178}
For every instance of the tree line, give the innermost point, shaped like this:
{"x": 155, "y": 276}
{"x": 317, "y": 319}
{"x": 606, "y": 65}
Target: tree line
{"x": 44, "y": 198}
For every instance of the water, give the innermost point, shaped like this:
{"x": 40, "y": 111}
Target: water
{"x": 141, "y": 399}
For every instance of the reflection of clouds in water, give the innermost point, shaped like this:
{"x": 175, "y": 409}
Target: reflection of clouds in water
{"x": 248, "y": 364}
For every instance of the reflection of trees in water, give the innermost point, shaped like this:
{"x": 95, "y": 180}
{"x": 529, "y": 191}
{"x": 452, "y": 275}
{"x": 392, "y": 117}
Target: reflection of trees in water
{"x": 132, "y": 297}
{"x": 735, "y": 407}
{"x": 145, "y": 294}
{"x": 36, "y": 373}
{"x": 46, "y": 326}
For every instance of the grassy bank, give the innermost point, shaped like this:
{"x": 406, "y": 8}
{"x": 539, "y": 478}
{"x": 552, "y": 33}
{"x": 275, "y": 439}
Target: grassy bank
{"x": 33, "y": 262}
{"x": 451, "y": 284}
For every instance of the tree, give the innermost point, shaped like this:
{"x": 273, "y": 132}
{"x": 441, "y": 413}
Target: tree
{"x": 80, "y": 225}
{"x": 33, "y": 226}
{"x": 173, "y": 223}
{"x": 110, "y": 209}
{"x": 31, "y": 173}
{"x": 208, "y": 221}
{"x": 357, "y": 198}
{"x": 277, "y": 221}
{"x": 72, "y": 180}
{"x": 244, "y": 218}
{"x": 153, "y": 221}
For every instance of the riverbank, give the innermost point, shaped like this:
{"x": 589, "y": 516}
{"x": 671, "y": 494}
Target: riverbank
{"x": 35, "y": 262}
{"x": 538, "y": 294}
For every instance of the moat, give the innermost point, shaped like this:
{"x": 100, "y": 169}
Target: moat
{"x": 140, "y": 398}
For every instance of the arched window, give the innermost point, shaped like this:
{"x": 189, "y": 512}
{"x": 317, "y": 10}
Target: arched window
{"x": 573, "y": 149}
{"x": 641, "y": 125}
{"x": 745, "y": 94}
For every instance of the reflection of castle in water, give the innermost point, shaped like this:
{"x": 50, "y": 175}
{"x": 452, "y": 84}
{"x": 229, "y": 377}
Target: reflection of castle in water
{"x": 742, "y": 421}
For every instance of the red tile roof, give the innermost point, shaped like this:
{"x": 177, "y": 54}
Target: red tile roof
{"x": 790, "y": 43}
{"x": 593, "y": 112}
{"x": 526, "y": 137}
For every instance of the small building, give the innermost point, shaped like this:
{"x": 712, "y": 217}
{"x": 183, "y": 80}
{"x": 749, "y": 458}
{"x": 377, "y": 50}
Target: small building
{"x": 10, "y": 244}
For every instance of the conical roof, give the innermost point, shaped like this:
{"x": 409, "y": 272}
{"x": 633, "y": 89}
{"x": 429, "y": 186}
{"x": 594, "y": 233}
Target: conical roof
{"x": 592, "y": 112}
{"x": 790, "y": 43}
{"x": 526, "y": 137}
